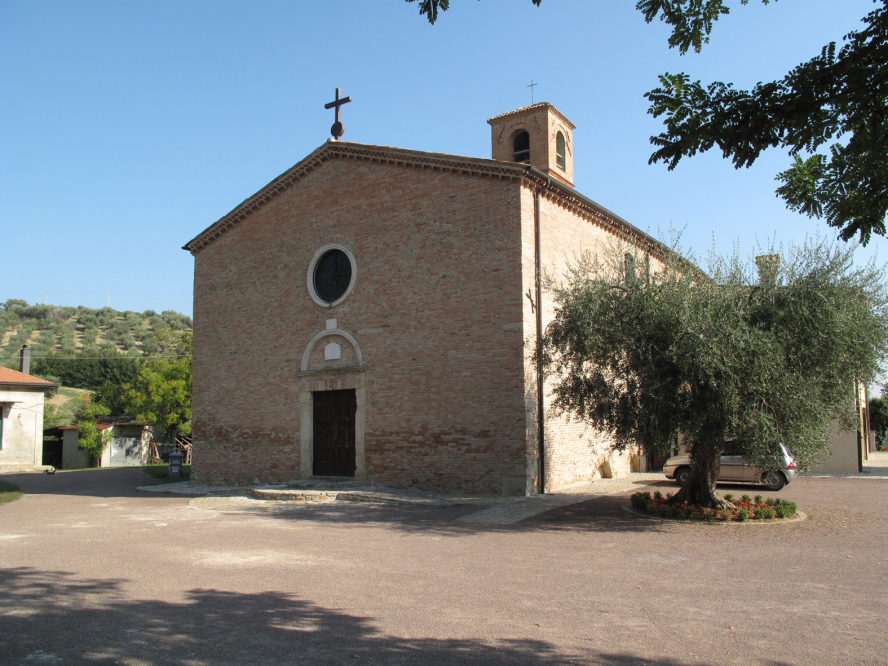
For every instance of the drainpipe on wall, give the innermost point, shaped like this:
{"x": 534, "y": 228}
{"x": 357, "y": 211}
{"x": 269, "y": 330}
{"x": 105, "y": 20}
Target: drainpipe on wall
{"x": 541, "y": 414}
{"x": 859, "y": 426}
{"x": 25, "y": 359}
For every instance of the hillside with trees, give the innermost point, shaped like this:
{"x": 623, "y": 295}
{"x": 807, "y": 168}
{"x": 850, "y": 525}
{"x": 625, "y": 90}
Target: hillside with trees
{"x": 83, "y": 347}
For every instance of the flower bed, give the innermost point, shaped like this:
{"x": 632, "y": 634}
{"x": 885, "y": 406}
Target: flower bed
{"x": 745, "y": 508}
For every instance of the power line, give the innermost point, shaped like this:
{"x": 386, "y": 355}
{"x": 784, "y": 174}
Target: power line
{"x": 101, "y": 358}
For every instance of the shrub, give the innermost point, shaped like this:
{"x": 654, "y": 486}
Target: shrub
{"x": 729, "y": 498}
{"x": 758, "y": 499}
{"x": 766, "y": 512}
{"x": 689, "y": 512}
{"x": 746, "y": 498}
{"x": 658, "y": 495}
{"x": 743, "y": 515}
{"x": 640, "y": 501}
{"x": 726, "y": 514}
{"x": 785, "y": 509}
{"x": 771, "y": 502}
{"x": 708, "y": 514}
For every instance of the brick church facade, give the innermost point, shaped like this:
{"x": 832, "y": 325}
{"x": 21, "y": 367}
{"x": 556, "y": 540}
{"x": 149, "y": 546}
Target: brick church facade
{"x": 372, "y": 312}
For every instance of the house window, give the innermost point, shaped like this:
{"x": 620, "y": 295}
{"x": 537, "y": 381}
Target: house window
{"x": 521, "y": 146}
{"x": 560, "y": 152}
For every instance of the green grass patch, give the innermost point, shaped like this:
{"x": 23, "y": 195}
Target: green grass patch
{"x": 9, "y": 492}
{"x": 162, "y": 472}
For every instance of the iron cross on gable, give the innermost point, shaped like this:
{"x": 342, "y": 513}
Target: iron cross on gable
{"x": 338, "y": 128}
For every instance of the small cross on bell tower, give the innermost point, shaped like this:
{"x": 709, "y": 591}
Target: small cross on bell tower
{"x": 338, "y": 128}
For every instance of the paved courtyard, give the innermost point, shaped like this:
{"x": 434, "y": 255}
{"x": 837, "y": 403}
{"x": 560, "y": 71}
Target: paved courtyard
{"x": 93, "y": 572}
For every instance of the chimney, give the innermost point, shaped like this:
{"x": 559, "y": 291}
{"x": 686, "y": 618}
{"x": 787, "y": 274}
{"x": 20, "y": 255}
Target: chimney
{"x": 25, "y": 359}
{"x": 768, "y": 265}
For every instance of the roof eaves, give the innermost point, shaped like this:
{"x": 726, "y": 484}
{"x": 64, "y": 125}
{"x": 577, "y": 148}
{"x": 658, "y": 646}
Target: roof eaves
{"x": 34, "y": 385}
{"x": 616, "y": 223}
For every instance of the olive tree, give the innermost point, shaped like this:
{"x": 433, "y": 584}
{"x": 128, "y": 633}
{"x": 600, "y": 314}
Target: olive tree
{"x": 765, "y": 355}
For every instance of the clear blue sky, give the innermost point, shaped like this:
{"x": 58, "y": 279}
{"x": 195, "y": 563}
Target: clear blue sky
{"x": 128, "y": 127}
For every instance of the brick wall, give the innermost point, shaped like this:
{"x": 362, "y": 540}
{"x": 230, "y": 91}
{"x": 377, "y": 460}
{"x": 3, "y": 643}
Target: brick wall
{"x": 436, "y": 312}
{"x": 576, "y": 451}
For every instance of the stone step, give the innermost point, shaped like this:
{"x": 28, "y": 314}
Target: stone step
{"x": 294, "y": 495}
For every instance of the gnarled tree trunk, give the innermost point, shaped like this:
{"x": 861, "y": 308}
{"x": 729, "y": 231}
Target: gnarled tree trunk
{"x": 700, "y": 486}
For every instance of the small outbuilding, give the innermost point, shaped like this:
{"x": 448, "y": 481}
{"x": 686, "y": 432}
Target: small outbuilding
{"x": 22, "y": 399}
{"x": 129, "y": 443}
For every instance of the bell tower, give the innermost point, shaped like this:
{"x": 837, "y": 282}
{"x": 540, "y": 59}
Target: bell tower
{"x": 539, "y": 135}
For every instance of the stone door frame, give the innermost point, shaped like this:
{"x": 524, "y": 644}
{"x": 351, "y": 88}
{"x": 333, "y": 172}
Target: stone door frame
{"x": 331, "y": 380}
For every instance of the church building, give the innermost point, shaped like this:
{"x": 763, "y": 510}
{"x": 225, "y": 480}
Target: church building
{"x": 373, "y": 313}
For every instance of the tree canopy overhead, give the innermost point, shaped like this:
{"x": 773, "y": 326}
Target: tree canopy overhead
{"x": 691, "y": 20}
{"x": 765, "y": 356}
{"x": 836, "y": 103}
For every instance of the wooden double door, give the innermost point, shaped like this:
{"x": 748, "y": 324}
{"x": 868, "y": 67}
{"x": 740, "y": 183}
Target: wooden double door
{"x": 334, "y": 433}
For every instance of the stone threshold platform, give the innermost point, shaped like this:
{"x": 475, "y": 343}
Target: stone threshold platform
{"x": 327, "y": 495}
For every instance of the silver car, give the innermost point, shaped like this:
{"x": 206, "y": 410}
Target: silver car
{"x": 735, "y": 468}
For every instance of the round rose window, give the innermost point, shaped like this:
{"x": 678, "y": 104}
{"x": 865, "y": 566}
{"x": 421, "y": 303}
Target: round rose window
{"x": 332, "y": 276}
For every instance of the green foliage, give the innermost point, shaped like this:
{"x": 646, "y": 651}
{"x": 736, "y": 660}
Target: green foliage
{"x": 758, "y": 499}
{"x": 878, "y": 413}
{"x": 743, "y": 515}
{"x": 766, "y": 358}
{"x": 691, "y": 20}
{"x": 430, "y": 8}
{"x": 640, "y": 501}
{"x": 89, "y": 372}
{"x": 161, "y": 393}
{"x": 784, "y": 509}
{"x": 114, "y": 398}
{"x": 52, "y": 417}
{"x": 833, "y": 95}
{"x": 93, "y": 441}
{"x": 729, "y": 498}
{"x": 766, "y": 512}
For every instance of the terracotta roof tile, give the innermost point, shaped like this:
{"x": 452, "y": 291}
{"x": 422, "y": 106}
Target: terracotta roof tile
{"x": 17, "y": 378}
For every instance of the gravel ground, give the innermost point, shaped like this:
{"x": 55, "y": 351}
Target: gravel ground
{"x": 92, "y": 572}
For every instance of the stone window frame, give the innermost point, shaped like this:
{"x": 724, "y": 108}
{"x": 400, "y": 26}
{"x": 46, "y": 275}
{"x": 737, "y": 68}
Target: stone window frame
{"x": 320, "y": 252}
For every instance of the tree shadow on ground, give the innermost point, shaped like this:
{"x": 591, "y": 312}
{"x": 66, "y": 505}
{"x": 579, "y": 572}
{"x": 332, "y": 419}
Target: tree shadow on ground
{"x": 53, "y": 617}
{"x": 603, "y": 514}
{"x": 105, "y": 482}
